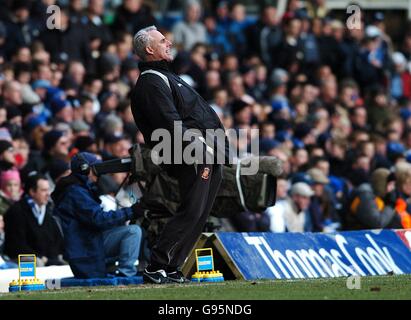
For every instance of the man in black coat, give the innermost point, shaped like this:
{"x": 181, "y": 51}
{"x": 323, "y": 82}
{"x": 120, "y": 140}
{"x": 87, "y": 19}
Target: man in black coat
{"x": 162, "y": 100}
{"x": 68, "y": 38}
{"x": 30, "y": 227}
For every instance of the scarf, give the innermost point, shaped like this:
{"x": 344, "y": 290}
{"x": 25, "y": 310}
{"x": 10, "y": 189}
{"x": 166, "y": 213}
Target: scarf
{"x": 39, "y": 212}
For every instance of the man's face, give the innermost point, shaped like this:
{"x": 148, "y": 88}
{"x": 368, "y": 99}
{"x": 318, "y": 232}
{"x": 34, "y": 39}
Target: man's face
{"x": 42, "y": 192}
{"x": 62, "y": 147}
{"x": 120, "y": 148}
{"x": 66, "y": 114}
{"x": 159, "y": 48}
{"x": 93, "y": 178}
{"x": 12, "y": 189}
{"x": 301, "y": 201}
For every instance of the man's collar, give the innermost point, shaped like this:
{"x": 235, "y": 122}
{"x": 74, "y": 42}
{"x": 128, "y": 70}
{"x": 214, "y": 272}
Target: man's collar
{"x": 159, "y": 65}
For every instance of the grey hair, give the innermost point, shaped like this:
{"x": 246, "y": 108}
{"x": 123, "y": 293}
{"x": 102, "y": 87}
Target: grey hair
{"x": 190, "y": 3}
{"x": 141, "y": 40}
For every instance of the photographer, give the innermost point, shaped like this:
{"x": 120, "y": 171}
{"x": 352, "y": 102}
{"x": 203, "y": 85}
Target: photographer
{"x": 94, "y": 238}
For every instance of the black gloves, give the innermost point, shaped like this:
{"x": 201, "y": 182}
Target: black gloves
{"x": 138, "y": 210}
{"x": 390, "y": 199}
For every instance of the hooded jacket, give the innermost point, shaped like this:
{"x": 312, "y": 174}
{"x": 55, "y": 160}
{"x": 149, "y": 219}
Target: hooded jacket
{"x": 369, "y": 211}
{"x": 83, "y": 221}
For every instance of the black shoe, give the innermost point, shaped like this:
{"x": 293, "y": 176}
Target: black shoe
{"x": 158, "y": 277}
{"x": 177, "y": 276}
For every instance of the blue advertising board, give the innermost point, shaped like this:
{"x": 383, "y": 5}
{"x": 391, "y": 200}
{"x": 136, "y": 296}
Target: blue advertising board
{"x": 205, "y": 263}
{"x": 312, "y": 255}
{"x": 27, "y": 269}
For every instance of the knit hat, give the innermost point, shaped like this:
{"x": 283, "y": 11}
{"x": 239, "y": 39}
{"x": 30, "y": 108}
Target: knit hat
{"x": 80, "y": 158}
{"x": 238, "y": 105}
{"x": 379, "y": 181}
{"x": 44, "y": 84}
{"x": 5, "y": 134}
{"x": 8, "y": 175}
{"x": 58, "y": 104}
{"x": 372, "y": 32}
{"x": 302, "y": 189}
{"x": 112, "y": 138}
{"x": 83, "y": 143}
{"x": 301, "y": 177}
{"x": 35, "y": 121}
{"x": 280, "y": 104}
{"x": 5, "y": 145}
{"x": 302, "y": 130}
{"x": 79, "y": 125}
{"x": 129, "y": 64}
{"x": 318, "y": 176}
{"x": 283, "y": 136}
{"x": 106, "y": 95}
{"x": 108, "y": 62}
{"x": 57, "y": 168}
{"x": 267, "y": 144}
{"x": 50, "y": 139}
{"x": 111, "y": 124}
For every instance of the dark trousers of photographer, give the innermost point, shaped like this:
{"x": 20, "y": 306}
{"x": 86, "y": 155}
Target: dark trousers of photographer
{"x": 198, "y": 187}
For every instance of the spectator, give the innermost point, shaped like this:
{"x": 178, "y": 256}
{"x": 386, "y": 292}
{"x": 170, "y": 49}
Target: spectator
{"x": 191, "y": 30}
{"x": 116, "y": 146}
{"x": 403, "y": 188}
{"x": 132, "y": 15}
{"x": 401, "y": 77}
{"x": 57, "y": 170}
{"x": 297, "y": 217}
{"x": 67, "y": 38}
{"x": 236, "y": 28}
{"x": 264, "y": 36}
{"x": 372, "y": 205}
{"x": 56, "y": 146}
{"x": 30, "y": 227}
{"x": 21, "y": 29}
{"x": 322, "y": 207}
{"x": 7, "y": 159}
{"x": 276, "y": 213}
{"x": 98, "y": 31}
{"x": 61, "y": 110}
{"x": 10, "y": 189}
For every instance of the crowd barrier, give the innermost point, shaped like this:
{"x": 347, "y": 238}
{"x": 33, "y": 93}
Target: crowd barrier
{"x": 253, "y": 256}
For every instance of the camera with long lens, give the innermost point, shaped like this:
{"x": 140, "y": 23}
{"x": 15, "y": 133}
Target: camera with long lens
{"x": 237, "y": 193}
{"x": 131, "y": 164}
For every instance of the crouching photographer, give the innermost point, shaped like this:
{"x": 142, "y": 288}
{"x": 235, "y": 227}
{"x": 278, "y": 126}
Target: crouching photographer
{"x": 94, "y": 238}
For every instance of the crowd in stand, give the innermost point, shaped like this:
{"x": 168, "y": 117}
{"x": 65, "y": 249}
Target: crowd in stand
{"x": 332, "y": 103}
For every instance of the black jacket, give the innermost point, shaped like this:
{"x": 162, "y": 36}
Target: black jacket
{"x": 155, "y": 105}
{"x": 73, "y": 41}
{"x": 25, "y": 236}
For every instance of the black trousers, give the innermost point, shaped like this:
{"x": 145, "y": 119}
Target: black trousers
{"x": 198, "y": 189}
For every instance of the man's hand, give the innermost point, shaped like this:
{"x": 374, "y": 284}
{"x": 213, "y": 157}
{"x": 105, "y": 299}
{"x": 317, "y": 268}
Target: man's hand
{"x": 390, "y": 199}
{"x": 138, "y": 210}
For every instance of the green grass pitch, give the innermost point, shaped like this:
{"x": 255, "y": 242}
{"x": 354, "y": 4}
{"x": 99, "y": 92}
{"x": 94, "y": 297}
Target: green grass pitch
{"x": 373, "y": 287}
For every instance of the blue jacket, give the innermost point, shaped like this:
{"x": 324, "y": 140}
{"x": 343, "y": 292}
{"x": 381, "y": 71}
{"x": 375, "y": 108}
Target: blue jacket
{"x": 83, "y": 221}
